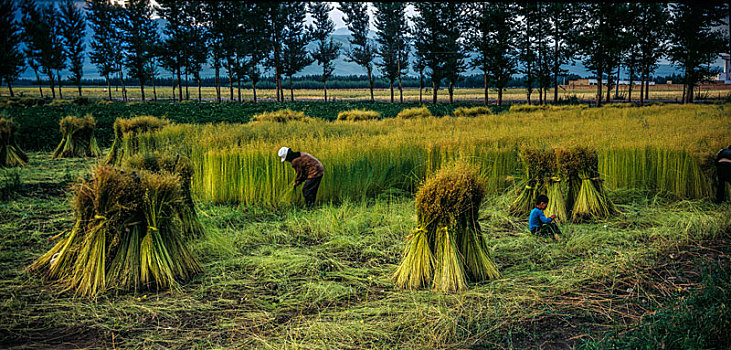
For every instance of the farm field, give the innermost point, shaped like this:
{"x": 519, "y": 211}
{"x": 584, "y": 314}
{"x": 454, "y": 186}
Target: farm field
{"x": 658, "y": 92}
{"x": 278, "y": 276}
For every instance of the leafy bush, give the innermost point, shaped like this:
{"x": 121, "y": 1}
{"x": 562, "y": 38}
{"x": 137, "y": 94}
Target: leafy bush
{"x": 413, "y": 113}
{"x": 472, "y": 112}
{"x": 358, "y": 114}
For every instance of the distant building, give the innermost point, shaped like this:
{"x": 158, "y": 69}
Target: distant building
{"x": 725, "y": 77}
{"x": 592, "y": 82}
{"x": 123, "y": 3}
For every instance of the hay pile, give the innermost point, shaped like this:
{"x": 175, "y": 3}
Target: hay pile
{"x": 590, "y": 201}
{"x": 77, "y": 138}
{"x": 448, "y": 248}
{"x": 358, "y": 114}
{"x": 570, "y": 179}
{"x": 540, "y": 166}
{"x": 280, "y": 116}
{"x": 126, "y": 235}
{"x": 161, "y": 163}
{"x": 472, "y": 112}
{"x": 414, "y": 113}
{"x": 10, "y": 154}
{"x": 126, "y": 134}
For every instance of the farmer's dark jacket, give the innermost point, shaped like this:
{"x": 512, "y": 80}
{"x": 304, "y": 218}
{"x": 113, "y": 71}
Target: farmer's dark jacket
{"x": 306, "y": 167}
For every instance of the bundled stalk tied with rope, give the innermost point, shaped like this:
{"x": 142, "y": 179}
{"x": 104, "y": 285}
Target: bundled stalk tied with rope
{"x": 77, "y": 138}
{"x": 126, "y": 235}
{"x": 448, "y": 248}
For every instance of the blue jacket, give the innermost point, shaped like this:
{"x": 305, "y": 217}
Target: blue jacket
{"x": 537, "y": 219}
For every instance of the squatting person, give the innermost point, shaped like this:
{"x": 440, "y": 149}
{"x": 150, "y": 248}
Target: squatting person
{"x": 723, "y": 170}
{"x": 539, "y": 224}
{"x": 308, "y": 169}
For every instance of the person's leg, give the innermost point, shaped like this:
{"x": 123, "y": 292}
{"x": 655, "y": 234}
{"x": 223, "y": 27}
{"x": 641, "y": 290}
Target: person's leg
{"x": 555, "y": 231}
{"x": 723, "y": 170}
{"x": 309, "y": 190}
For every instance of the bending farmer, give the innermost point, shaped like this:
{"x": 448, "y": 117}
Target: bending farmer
{"x": 723, "y": 169}
{"x": 308, "y": 169}
{"x": 540, "y": 224}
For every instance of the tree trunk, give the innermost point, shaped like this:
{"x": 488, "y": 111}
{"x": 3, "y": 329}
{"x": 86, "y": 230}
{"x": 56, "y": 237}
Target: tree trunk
{"x": 499, "y": 96}
{"x": 238, "y": 88}
{"x": 200, "y": 97}
{"x": 451, "y": 93}
{"x": 555, "y": 65}
{"x": 647, "y": 83}
{"x": 174, "y": 86}
{"x": 616, "y": 88}
{"x": 421, "y": 86}
{"x": 180, "y": 84}
{"x": 609, "y": 83}
{"x": 370, "y": 83}
{"x": 154, "y": 89}
{"x": 10, "y": 88}
{"x": 484, "y": 78}
{"x": 79, "y": 86}
{"x": 642, "y": 87}
{"x": 52, "y": 84}
{"x": 230, "y": 84}
{"x": 218, "y": 83}
{"x": 291, "y": 90}
{"x": 60, "y": 93}
{"x": 253, "y": 89}
{"x": 599, "y": 87}
{"x": 434, "y": 92}
{"x": 124, "y": 88}
{"x": 40, "y": 88}
{"x": 400, "y": 87}
{"x": 142, "y": 90}
{"x": 109, "y": 87}
{"x": 187, "y": 83}
{"x": 540, "y": 93}
{"x": 631, "y": 81}
{"x": 391, "y": 85}
{"x": 324, "y": 86}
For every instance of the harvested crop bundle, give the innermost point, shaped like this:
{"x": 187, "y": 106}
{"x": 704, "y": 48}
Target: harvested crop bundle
{"x": 280, "y": 116}
{"x": 10, "y": 154}
{"x": 539, "y": 167}
{"x": 472, "y": 112}
{"x": 591, "y": 200}
{"x": 125, "y": 237}
{"x": 413, "y": 113}
{"x": 126, "y": 134}
{"x": 162, "y": 162}
{"x": 358, "y": 114}
{"x": 77, "y": 138}
{"x": 447, "y": 248}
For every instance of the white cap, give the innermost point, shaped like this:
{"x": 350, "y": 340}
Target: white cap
{"x": 283, "y": 152}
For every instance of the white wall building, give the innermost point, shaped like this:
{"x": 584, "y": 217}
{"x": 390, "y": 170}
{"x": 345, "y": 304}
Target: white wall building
{"x": 725, "y": 77}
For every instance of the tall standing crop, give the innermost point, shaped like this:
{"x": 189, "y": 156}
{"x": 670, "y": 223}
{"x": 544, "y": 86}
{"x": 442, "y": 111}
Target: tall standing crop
{"x": 126, "y": 133}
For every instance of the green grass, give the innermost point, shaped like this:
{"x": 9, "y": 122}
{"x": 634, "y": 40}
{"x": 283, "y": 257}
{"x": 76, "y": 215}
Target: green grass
{"x": 299, "y": 279}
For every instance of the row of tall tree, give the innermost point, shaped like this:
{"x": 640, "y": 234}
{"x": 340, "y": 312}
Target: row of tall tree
{"x": 242, "y": 41}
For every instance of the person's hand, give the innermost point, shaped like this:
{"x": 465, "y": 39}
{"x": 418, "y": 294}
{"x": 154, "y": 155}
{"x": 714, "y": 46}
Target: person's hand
{"x": 552, "y": 217}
